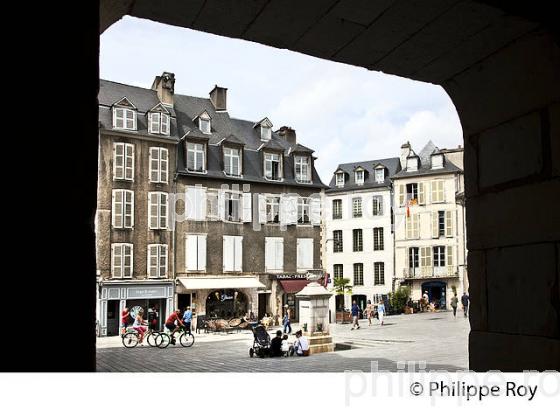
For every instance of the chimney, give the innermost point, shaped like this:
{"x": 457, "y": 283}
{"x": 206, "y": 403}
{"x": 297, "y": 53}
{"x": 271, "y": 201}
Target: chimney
{"x": 218, "y": 96}
{"x": 405, "y": 150}
{"x": 288, "y": 134}
{"x": 165, "y": 86}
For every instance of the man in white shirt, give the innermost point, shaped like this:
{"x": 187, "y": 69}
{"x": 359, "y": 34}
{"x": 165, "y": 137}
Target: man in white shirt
{"x": 301, "y": 345}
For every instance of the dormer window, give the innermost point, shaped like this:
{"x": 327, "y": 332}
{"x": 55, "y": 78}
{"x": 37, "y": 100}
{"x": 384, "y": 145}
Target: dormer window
{"x": 303, "y": 168}
{"x": 158, "y": 123}
{"x": 273, "y": 166}
{"x": 232, "y": 161}
{"x": 195, "y": 157}
{"x": 359, "y": 176}
{"x": 265, "y": 129}
{"x": 339, "y": 179}
{"x": 412, "y": 164}
{"x": 124, "y": 115}
{"x": 437, "y": 161}
{"x": 266, "y": 133}
{"x": 380, "y": 175}
{"x": 204, "y": 125}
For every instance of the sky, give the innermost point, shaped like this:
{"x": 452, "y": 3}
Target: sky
{"x": 344, "y": 113}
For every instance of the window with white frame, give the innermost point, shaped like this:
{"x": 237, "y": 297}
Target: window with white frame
{"x": 159, "y": 165}
{"x": 338, "y": 271}
{"x": 124, "y": 118}
{"x": 123, "y": 161}
{"x": 204, "y": 125}
{"x": 232, "y": 161}
{"x": 122, "y": 208}
{"x": 337, "y": 208}
{"x": 274, "y": 254}
{"x": 357, "y": 241}
{"x": 379, "y": 273}
{"x": 195, "y": 157}
{"x": 339, "y": 179}
{"x": 337, "y": 239}
{"x": 266, "y": 133}
{"x": 304, "y": 255}
{"x": 272, "y": 166}
{"x": 378, "y": 241}
{"x": 356, "y": 207}
{"x": 358, "y": 274}
{"x": 272, "y": 209}
{"x": 195, "y": 253}
{"x": 233, "y": 254}
{"x": 380, "y": 175}
{"x": 439, "y": 256}
{"x": 359, "y": 176}
{"x": 158, "y": 123}
{"x": 232, "y": 206}
{"x": 157, "y": 261}
{"x": 303, "y": 211}
{"x": 303, "y": 169}
{"x": 121, "y": 260}
{"x": 413, "y": 261}
{"x": 212, "y": 211}
{"x": 157, "y": 210}
{"x": 377, "y": 205}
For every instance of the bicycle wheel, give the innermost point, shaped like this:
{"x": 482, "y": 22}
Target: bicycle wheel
{"x": 186, "y": 339}
{"x": 130, "y": 339}
{"x": 163, "y": 340}
{"x": 153, "y": 339}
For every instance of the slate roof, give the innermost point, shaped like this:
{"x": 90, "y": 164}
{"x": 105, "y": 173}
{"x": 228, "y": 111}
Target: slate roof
{"x": 183, "y": 127}
{"x": 425, "y": 164}
{"x": 392, "y": 165}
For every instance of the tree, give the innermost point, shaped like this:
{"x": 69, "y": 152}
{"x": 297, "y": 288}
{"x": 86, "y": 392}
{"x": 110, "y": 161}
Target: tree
{"x": 399, "y": 298}
{"x": 342, "y": 287}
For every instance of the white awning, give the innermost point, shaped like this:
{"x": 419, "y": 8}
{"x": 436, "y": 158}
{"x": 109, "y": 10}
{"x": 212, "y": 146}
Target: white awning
{"x": 231, "y": 282}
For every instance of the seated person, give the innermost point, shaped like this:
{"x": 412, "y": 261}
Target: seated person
{"x": 286, "y": 346}
{"x": 301, "y": 346}
{"x": 276, "y": 345}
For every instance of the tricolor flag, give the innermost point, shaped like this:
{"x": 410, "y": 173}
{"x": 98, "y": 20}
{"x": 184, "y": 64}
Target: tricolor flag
{"x": 407, "y": 210}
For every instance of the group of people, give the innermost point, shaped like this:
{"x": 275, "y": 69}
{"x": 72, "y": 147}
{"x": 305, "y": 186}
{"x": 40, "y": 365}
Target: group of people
{"x": 279, "y": 345}
{"x": 369, "y": 313}
{"x": 464, "y": 301}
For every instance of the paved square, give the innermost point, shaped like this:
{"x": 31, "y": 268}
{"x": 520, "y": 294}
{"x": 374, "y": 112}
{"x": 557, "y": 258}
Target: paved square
{"x": 438, "y": 339}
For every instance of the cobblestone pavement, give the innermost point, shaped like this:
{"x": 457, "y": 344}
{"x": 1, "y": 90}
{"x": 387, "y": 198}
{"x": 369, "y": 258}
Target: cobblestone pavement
{"x": 437, "y": 339}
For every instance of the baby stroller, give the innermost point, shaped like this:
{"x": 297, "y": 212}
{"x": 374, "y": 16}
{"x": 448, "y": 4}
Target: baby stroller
{"x": 261, "y": 342}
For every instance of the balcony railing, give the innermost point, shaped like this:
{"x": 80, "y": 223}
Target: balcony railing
{"x": 424, "y": 272}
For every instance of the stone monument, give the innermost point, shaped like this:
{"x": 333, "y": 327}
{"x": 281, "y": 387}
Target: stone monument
{"x": 314, "y": 317}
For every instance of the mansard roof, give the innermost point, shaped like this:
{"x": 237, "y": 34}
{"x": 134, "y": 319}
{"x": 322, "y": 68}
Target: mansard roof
{"x": 391, "y": 164}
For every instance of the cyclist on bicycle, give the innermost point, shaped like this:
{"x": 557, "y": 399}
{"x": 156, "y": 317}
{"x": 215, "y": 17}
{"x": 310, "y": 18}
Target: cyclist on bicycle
{"x": 170, "y": 323}
{"x": 140, "y": 325}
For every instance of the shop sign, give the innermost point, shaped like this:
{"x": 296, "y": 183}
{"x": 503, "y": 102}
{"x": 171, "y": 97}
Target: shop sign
{"x": 292, "y": 276}
{"x": 146, "y": 293}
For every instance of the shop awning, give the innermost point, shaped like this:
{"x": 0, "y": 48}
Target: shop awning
{"x": 240, "y": 282}
{"x": 293, "y": 285}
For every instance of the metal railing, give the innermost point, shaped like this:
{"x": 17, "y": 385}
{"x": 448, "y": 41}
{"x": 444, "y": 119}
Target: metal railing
{"x": 431, "y": 272}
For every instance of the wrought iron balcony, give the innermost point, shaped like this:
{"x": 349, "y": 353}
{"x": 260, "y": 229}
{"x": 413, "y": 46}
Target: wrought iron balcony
{"x": 425, "y": 272}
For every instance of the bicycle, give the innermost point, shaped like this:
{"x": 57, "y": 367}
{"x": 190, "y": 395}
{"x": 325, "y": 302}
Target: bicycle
{"x": 131, "y": 337}
{"x": 186, "y": 338}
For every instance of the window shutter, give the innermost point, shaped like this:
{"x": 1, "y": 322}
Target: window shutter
{"x": 315, "y": 211}
{"x": 238, "y": 254}
{"x": 421, "y": 193}
{"x": 407, "y": 258}
{"x": 247, "y": 210}
{"x": 448, "y": 223}
{"x": 191, "y": 252}
{"x": 130, "y": 200}
{"x": 128, "y": 258}
{"x": 292, "y": 203}
{"x": 416, "y": 226}
{"x": 434, "y": 196}
{"x": 163, "y": 213}
{"x": 279, "y": 254}
{"x": 435, "y": 224}
{"x": 200, "y": 205}
{"x": 402, "y": 188}
{"x": 163, "y": 261}
{"x": 442, "y": 190}
{"x": 222, "y": 205}
{"x": 113, "y": 209}
{"x": 163, "y": 166}
{"x": 449, "y": 256}
{"x": 190, "y": 203}
{"x": 165, "y": 124}
{"x": 129, "y": 162}
{"x": 429, "y": 256}
{"x": 152, "y": 210}
{"x": 228, "y": 254}
{"x": 118, "y": 161}
{"x": 115, "y": 268}
{"x": 201, "y": 252}
{"x": 268, "y": 255}
{"x": 262, "y": 209}
{"x": 408, "y": 227}
{"x": 152, "y": 260}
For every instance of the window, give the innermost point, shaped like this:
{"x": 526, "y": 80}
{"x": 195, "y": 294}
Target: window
{"x": 303, "y": 211}
{"x": 357, "y": 207}
{"x": 159, "y": 159}
{"x": 439, "y": 256}
{"x": 413, "y": 258}
{"x": 358, "y": 274}
{"x": 412, "y": 164}
{"x": 304, "y": 254}
{"x": 378, "y": 243}
{"x": 380, "y": 175}
{"x": 412, "y": 192}
{"x": 121, "y": 260}
{"x": 232, "y": 161}
{"x": 232, "y": 207}
{"x": 158, "y": 123}
{"x": 157, "y": 261}
{"x": 438, "y": 191}
{"x": 303, "y": 169}
{"x": 233, "y": 254}
{"x": 266, "y": 133}
{"x": 212, "y": 204}
{"x": 337, "y": 208}
{"x": 413, "y": 226}
{"x": 449, "y": 223}
{"x": 357, "y": 240}
{"x": 359, "y": 177}
{"x": 338, "y": 271}
{"x": 379, "y": 273}
{"x": 437, "y": 161}
{"x": 157, "y": 210}
{"x": 195, "y": 253}
{"x": 274, "y": 254}
{"x": 272, "y": 209}
{"x": 339, "y": 179}
{"x": 377, "y": 206}
{"x": 337, "y": 239}
{"x": 272, "y": 167}
{"x": 123, "y": 208}
{"x": 204, "y": 125}
{"x": 195, "y": 157}
{"x": 124, "y": 119}
{"x": 426, "y": 257}
{"x": 441, "y": 223}
{"x": 123, "y": 161}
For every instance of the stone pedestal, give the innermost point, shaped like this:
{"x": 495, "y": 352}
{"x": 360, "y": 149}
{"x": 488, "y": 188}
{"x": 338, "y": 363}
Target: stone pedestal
{"x": 314, "y": 316}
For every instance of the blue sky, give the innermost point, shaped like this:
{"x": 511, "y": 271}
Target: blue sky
{"x": 344, "y": 113}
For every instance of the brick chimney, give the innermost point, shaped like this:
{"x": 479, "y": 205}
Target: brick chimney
{"x": 405, "y": 150}
{"x": 288, "y": 134}
{"x": 165, "y": 86}
{"x": 218, "y": 96}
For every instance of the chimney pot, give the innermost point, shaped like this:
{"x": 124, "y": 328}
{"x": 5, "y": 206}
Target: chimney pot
{"x": 164, "y": 85}
{"x": 288, "y": 134}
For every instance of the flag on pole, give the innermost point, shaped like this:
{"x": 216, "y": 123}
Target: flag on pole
{"x": 407, "y": 210}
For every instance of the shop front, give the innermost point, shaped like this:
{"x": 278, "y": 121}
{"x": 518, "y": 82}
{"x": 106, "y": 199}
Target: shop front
{"x": 289, "y": 286}
{"x": 115, "y": 296}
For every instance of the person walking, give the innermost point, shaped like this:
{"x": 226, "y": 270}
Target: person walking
{"x": 286, "y": 323}
{"x": 454, "y": 303}
{"x": 355, "y": 315}
{"x": 369, "y": 311}
{"x": 465, "y": 303}
{"x": 187, "y": 319}
{"x": 380, "y": 311}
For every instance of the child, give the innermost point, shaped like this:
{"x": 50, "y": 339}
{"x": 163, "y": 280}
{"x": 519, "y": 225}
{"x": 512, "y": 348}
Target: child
{"x": 285, "y": 346}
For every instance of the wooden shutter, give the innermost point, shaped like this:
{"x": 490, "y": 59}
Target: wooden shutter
{"x": 200, "y": 203}
{"x": 315, "y": 211}
{"x": 433, "y": 191}
{"x": 238, "y": 254}
{"x": 201, "y": 252}
{"x": 190, "y": 203}
{"x": 262, "y": 208}
{"x": 162, "y": 260}
{"x": 247, "y": 215}
{"x": 163, "y": 166}
{"x": 127, "y": 261}
{"x": 165, "y": 124}
{"x": 268, "y": 254}
{"x": 449, "y": 256}
{"x": 153, "y": 210}
{"x": 279, "y": 254}
{"x": 152, "y": 261}
{"x": 191, "y": 253}
{"x": 163, "y": 210}
{"x": 435, "y": 224}
{"x": 118, "y": 161}
{"x": 228, "y": 254}
{"x": 421, "y": 193}
{"x": 154, "y": 164}
{"x": 406, "y": 258}
{"x": 116, "y": 211}
{"x": 402, "y": 191}
{"x": 448, "y": 223}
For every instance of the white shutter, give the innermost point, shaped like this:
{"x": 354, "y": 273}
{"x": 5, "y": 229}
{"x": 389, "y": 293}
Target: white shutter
{"x": 401, "y": 194}
{"x": 448, "y": 223}
{"x": 190, "y": 203}
{"x": 449, "y": 256}
{"x": 118, "y": 160}
{"x": 163, "y": 260}
{"x": 416, "y": 226}
{"x": 152, "y": 216}
{"x": 163, "y": 210}
{"x": 435, "y": 224}
{"x": 127, "y": 255}
{"x": 406, "y": 259}
{"x": 221, "y": 205}
{"x": 421, "y": 193}
{"x": 279, "y": 254}
{"x": 131, "y": 195}
{"x": 262, "y": 208}
{"x": 152, "y": 261}
{"x": 165, "y": 124}
{"x": 129, "y": 155}
{"x": 238, "y": 254}
{"x": 269, "y": 258}
{"x": 288, "y": 209}
{"x": 304, "y": 253}
{"x": 247, "y": 214}
{"x": 114, "y": 195}
{"x": 201, "y": 252}
{"x": 315, "y": 210}
{"x": 163, "y": 166}
{"x": 442, "y": 190}
{"x": 200, "y": 203}
{"x": 228, "y": 254}
{"x": 191, "y": 252}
